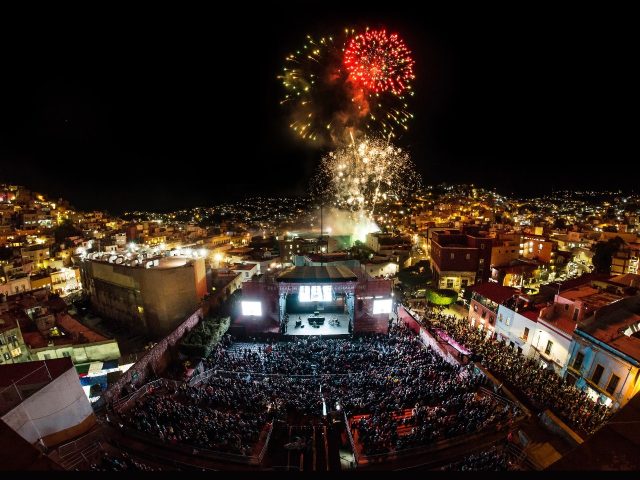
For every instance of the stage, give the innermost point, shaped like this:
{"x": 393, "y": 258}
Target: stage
{"x": 326, "y": 327}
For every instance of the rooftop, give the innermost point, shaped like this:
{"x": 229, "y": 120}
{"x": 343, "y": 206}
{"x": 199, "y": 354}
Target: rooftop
{"x": 243, "y": 266}
{"x": 591, "y": 297}
{"x": 317, "y": 274}
{"x": 615, "y": 324}
{"x": 31, "y": 373}
{"x": 494, "y": 292}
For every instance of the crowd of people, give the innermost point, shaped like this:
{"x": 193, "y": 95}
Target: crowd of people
{"x": 542, "y": 387}
{"x": 164, "y": 416}
{"x": 458, "y": 415}
{"x": 121, "y": 463}
{"x": 493, "y": 460}
{"x": 376, "y": 375}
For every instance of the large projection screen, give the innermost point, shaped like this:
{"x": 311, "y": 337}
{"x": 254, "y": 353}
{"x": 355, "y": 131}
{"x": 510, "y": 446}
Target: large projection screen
{"x": 382, "y": 306}
{"x": 251, "y": 308}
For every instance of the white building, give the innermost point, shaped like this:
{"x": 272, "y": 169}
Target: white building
{"x": 516, "y": 329}
{"x": 604, "y": 358}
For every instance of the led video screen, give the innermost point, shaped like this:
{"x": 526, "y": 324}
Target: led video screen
{"x": 382, "y": 306}
{"x": 251, "y": 308}
{"x": 315, "y": 293}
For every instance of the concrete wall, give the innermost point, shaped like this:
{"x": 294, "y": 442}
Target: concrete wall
{"x": 169, "y": 296}
{"x": 155, "y": 360}
{"x": 53, "y": 413}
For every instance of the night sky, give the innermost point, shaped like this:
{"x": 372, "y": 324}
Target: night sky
{"x": 170, "y": 110}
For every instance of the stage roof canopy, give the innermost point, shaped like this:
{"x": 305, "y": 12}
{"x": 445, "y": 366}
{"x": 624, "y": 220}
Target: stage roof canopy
{"x": 324, "y": 274}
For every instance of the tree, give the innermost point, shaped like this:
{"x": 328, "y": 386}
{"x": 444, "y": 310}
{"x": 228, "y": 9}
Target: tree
{"x": 559, "y": 223}
{"x": 65, "y": 230}
{"x": 603, "y": 254}
{"x": 416, "y": 276}
{"x": 442, "y": 296}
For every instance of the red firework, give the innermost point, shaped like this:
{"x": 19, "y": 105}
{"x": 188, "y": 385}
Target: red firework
{"x": 379, "y": 62}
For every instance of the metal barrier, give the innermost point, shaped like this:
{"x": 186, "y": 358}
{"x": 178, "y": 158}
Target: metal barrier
{"x": 121, "y": 403}
{"x": 350, "y": 435}
{"x": 189, "y": 449}
{"x": 266, "y": 444}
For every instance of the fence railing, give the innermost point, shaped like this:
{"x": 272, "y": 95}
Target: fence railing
{"x": 83, "y": 456}
{"x": 191, "y": 449}
{"x": 125, "y": 402}
{"x": 350, "y": 435}
{"x": 266, "y": 444}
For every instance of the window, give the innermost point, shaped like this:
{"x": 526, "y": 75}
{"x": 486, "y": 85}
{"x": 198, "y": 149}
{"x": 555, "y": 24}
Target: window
{"x": 449, "y": 282}
{"x": 575, "y": 314}
{"x": 508, "y": 321}
{"x": 492, "y": 319}
{"x": 525, "y": 335}
{"x": 475, "y": 308}
{"x": 613, "y": 383}
{"x": 500, "y": 318}
{"x": 577, "y": 363}
{"x": 453, "y": 255}
{"x": 482, "y": 261}
{"x": 547, "y": 350}
{"x": 468, "y": 256}
{"x": 66, "y": 354}
{"x": 484, "y": 313}
{"x": 465, "y": 282}
{"x": 597, "y": 374}
{"x": 520, "y": 350}
{"x": 482, "y": 246}
{"x": 566, "y": 306}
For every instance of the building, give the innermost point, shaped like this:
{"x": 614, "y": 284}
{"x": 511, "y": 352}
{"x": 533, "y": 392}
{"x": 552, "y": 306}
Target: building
{"x": 12, "y": 346}
{"x": 626, "y": 259}
{"x": 604, "y": 359}
{"x": 43, "y": 401}
{"x": 516, "y": 328}
{"x": 60, "y": 335}
{"x": 538, "y": 247}
{"x": 246, "y": 270}
{"x": 486, "y": 298}
{"x": 19, "y": 284}
{"x": 384, "y": 242}
{"x": 36, "y": 254}
{"x": 505, "y": 250}
{"x": 459, "y": 259}
{"x": 151, "y": 295}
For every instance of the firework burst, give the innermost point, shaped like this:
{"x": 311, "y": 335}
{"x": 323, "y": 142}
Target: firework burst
{"x": 360, "y": 176}
{"x": 328, "y": 102}
{"x": 379, "y": 62}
